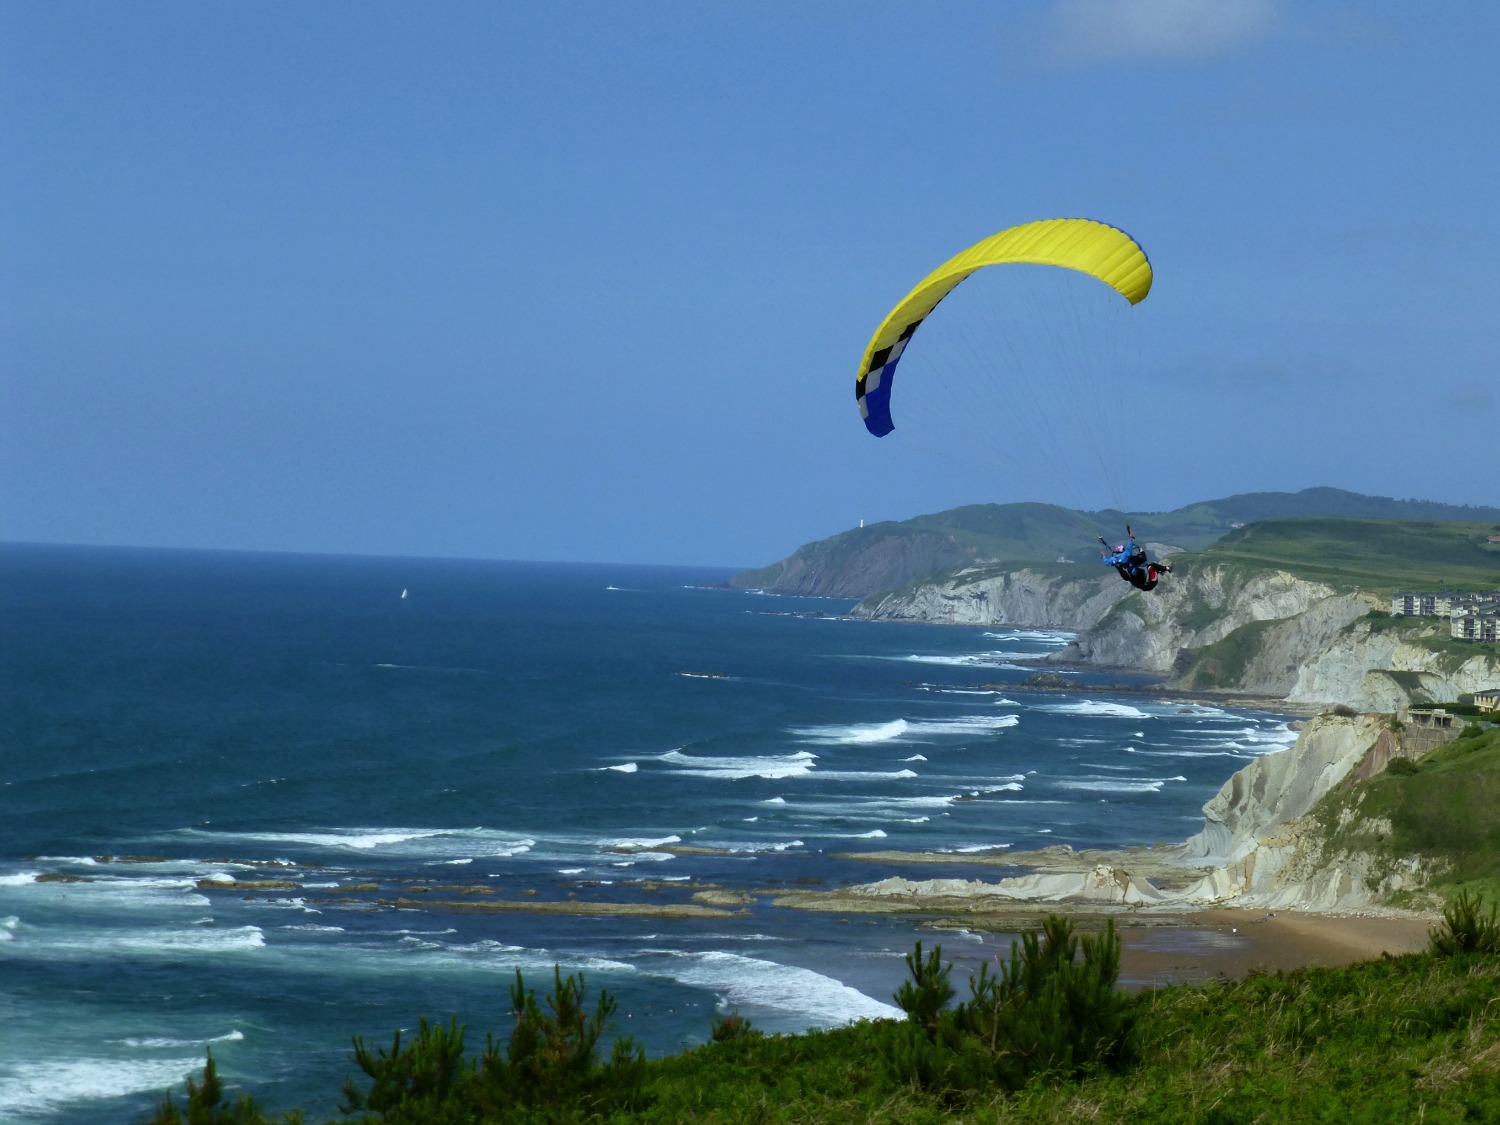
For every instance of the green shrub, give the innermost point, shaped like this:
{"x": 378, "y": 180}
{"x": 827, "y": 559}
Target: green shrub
{"x": 1466, "y": 928}
{"x": 1402, "y": 767}
{"x": 1049, "y": 1010}
{"x": 723, "y": 1029}
{"x": 547, "y": 1061}
{"x": 204, "y": 1105}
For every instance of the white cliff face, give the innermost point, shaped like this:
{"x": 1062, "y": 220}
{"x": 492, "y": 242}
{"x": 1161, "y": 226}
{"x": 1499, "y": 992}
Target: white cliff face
{"x": 1259, "y": 847}
{"x": 1354, "y": 668}
{"x": 1022, "y": 597}
{"x": 1199, "y": 606}
{"x": 1278, "y": 788}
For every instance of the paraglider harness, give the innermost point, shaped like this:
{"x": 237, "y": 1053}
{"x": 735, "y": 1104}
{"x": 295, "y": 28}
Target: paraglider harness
{"x": 1132, "y": 565}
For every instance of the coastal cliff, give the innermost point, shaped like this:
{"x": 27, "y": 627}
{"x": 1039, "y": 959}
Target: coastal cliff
{"x": 1215, "y": 627}
{"x": 1064, "y": 598}
{"x": 1285, "y": 832}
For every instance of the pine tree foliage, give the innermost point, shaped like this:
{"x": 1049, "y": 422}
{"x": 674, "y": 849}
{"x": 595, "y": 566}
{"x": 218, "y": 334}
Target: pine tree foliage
{"x": 1466, "y": 928}
{"x": 204, "y": 1105}
{"x": 1052, "y": 1008}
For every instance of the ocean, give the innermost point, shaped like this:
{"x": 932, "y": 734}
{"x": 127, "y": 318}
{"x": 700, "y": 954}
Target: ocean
{"x": 241, "y": 793}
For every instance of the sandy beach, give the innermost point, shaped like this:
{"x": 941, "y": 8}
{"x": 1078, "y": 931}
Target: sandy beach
{"x": 1232, "y": 942}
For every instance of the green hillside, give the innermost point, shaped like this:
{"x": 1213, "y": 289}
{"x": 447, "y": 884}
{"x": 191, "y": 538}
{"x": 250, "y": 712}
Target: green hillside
{"x": 895, "y": 554}
{"x": 1443, "y": 809}
{"x": 1379, "y": 555}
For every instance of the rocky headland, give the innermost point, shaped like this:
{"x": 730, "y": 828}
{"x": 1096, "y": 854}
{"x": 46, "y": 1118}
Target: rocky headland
{"x": 1260, "y": 848}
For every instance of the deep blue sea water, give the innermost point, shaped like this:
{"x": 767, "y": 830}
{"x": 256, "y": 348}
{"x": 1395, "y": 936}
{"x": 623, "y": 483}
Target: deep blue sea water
{"x": 170, "y": 720}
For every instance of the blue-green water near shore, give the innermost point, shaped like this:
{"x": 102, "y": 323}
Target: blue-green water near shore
{"x": 172, "y": 721}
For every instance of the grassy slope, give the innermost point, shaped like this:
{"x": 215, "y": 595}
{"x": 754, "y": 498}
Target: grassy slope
{"x": 1411, "y": 1038}
{"x": 1375, "y": 555}
{"x": 1448, "y": 811}
{"x": 1030, "y": 533}
{"x": 1414, "y": 1038}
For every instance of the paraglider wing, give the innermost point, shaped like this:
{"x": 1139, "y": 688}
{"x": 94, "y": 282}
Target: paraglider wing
{"x": 1093, "y": 248}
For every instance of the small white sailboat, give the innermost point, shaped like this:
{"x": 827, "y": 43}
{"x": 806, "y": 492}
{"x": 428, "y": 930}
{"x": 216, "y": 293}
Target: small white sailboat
{"x": 403, "y": 593}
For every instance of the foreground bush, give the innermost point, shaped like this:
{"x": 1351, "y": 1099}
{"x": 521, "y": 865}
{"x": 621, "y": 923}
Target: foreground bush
{"x": 1049, "y": 1011}
{"x": 1413, "y": 1038}
{"x": 1466, "y": 928}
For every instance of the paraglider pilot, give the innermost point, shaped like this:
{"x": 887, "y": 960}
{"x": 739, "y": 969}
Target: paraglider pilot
{"x": 1130, "y": 560}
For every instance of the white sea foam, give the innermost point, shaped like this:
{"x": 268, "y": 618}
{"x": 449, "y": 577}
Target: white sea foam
{"x": 774, "y": 801}
{"x": 853, "y": 735}
{"x": 20, "y": 879}
{"x": 974, "y": 849}
{"x": 76, "y": 941}
{"x": 749, "y": 982}
{"x": 31, "y": 1090}
{"x": 866, "y": 775}
{"x": 156, "y": 1042}
{"x": 1118, "y": 784}
{"x": 1184, "y": 753}
{"x": 633, "y": 843}
{"x": 873, "y": 834}
{"x": 639, "y": 857}
{"x": 435, "y": 843}
{"x": 972, "y": 659}
{"x": 964, "y": 725}
{"x": 1097, "y": 707}
{"x": 916, "y": 758}
{"x": 999, "y": 701}
{"x": 777, "y": 766}
{"x": 624, "y": 767}
{"x": 1057, "y": 637}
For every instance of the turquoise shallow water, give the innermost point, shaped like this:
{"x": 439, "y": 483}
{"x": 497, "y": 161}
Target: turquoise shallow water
{"x": 172, "y": 720}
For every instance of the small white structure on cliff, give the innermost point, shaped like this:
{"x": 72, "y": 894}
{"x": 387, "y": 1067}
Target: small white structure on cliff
{"x": 1487, "y": 700}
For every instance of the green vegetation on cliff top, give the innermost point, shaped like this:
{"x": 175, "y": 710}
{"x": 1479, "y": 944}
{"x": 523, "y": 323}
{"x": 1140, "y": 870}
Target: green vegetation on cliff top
{"x": 1412, "y": 1038}
{"x": 893, "y": 554}
{"x": 1380, "y": 556}
{"x": 1443, "y": 810}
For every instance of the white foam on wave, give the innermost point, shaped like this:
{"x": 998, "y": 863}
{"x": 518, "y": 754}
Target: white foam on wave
{"x": 1247, "y": 741}
{"x": 749, "y": 982}
{"x": 855, "y": 734}
{"x": 1045, "y": 636}
{"x": 1118, "y": 784}
{"x": 1184, "y": 753}
{"x": 434, "y": 843}
{"x": 1097, "y": 707}
{"x": 772, "y": 767}
{"x": 970, "y": 659}
{"x": 31, "y": 1090}
{"x": 975, "y": 849}
{"x": 113, "y": 895}
{"x": 157, "y": 1043}
{"x": 623, "y": 767}
{"x": 964, "y": 725}
{"x": 866, "y": 775}
{"x": 19, "y": 879}
{"x": 633, "y": 843}
{"x": 999, "y": 701}
{"x": 152, "y": 941}
{"x": 916, "y": 758}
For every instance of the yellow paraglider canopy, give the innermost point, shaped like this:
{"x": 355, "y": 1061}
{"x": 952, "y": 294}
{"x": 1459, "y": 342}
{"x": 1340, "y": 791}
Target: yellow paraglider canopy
{"x": 1090, "y": 247}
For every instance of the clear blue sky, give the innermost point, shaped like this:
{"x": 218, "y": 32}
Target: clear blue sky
{"x": 590, "y": 281}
